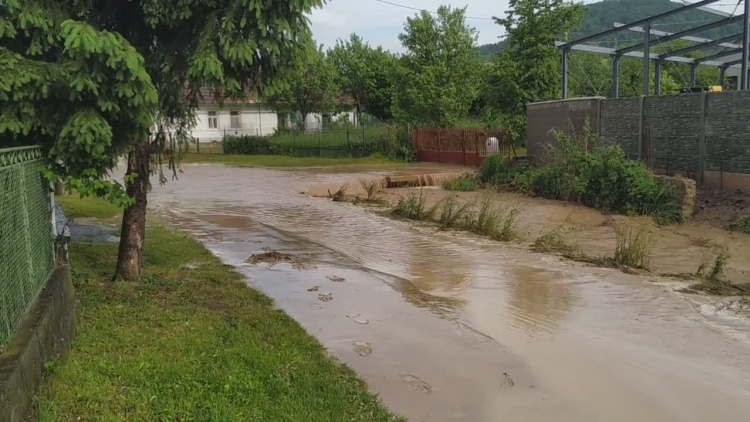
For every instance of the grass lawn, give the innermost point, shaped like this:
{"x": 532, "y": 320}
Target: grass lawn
{"x": 286, "y": 161}
{"x": 190, "y": 342}
{"x": 76, "y": 207}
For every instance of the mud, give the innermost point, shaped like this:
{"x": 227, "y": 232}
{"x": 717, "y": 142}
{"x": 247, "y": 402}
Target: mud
{"x": 677, "y": 250}
{"x": 448, "y": 326}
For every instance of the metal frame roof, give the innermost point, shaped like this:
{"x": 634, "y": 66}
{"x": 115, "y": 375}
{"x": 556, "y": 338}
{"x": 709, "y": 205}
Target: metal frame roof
{"x": 643, "y": 49}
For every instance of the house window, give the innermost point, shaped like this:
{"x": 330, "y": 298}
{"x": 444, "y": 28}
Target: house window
{"x": 234, "y": 119}
{"x": 213, "y": 121}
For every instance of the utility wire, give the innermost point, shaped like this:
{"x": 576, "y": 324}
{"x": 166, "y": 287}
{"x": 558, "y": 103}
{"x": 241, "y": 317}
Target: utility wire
{"x": 429, "y": 11}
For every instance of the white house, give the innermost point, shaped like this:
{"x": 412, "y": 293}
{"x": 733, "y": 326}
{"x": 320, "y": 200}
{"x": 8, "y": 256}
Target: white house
{"x": 251, "y": 117}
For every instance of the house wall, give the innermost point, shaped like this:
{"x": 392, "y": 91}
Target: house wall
{"x": 254, "y": 121}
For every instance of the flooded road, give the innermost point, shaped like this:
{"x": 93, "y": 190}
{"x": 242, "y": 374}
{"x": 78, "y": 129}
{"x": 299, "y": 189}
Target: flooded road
{"x": 451, "y": 327}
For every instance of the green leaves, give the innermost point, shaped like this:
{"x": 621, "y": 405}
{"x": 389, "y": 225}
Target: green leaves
{"x": 439, "y": 75}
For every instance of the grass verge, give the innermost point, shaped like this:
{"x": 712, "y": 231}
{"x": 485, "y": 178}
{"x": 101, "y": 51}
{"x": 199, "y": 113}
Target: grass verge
{"x": 77, "y": 207}
{"x": 286, "y": 161}
{"x": 191, "y": 342}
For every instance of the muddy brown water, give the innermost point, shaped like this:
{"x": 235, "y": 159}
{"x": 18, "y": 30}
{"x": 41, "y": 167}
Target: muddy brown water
{"x": 452, "y": 327}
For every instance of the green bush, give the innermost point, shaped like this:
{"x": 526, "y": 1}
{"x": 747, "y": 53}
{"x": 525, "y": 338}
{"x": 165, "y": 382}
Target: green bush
{"x": 602, "y": 178}
{"x": 461, "y": 184}
{"x": 255, "y": 145}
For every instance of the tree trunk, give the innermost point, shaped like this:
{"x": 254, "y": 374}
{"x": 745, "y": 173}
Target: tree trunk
{"x": 304, "y": 121}
{"x": 133, "y": 233}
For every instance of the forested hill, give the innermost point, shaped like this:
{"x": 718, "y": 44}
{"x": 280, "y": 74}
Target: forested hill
{"x": 602, "y": 15}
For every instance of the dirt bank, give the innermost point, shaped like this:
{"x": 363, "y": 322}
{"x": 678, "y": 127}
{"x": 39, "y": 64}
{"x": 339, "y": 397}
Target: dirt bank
{"x": 677, "y": 250}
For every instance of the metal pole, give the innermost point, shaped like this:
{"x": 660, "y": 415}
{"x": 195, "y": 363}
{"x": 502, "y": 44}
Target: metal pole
{"x": 564, "y": 73}
{"x": 722, "y": 76}
{"x": 615, "y": 76}
{"x": 745, "y": 45}
{"x": 693, "y": 68}
{"x": 646, "y": 57}
{"x": 657, "y": 77}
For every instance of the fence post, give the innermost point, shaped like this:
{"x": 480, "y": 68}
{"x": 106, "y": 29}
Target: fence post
{"x": 463, "y": 146}
{"x": 294, "y": 143}
{"x": 640, "y": 127}
{"x": 721, "y": 173}
{"x": 440, "y": 146}
{"x": 348, "y": 143}
{"x": 320, "y": 142}
{"x": 702, "y": 138}
{"x": 198, "y": 145}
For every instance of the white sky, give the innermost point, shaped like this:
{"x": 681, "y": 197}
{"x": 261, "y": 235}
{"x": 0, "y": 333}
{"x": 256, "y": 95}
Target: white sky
{"x": 380, "y": 24}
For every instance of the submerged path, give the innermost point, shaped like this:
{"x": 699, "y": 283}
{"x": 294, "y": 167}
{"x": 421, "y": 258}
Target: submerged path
{"x": 446, "y": 326}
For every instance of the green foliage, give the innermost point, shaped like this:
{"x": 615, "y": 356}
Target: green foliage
{"x": 453, "y": 213}
{"x": 555, "y": 241}
{"x": 193, "y": 328}
{"x": 461, "y": 184}
{"x": 634, "y": 245}
{"x": 311, "y": 88}
{"x": 528, "y": 68}
{"x": 79, "y": 91}
{"x": 438, "y": 79}
{"x": 366, "y": 74}
{"x": 255, "y": 145}
{"x": 741, "y": 225}
{"x": 413, "y": 207}
{"x": 579, "y": 171}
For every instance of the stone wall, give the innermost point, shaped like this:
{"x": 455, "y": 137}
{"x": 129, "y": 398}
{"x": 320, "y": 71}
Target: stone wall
{"x": 704, "y": 136}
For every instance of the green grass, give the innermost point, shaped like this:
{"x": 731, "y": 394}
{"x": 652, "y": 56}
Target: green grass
{"x": 191, "y": 344}
{"x": 462, "y": 184}
{"x": 76, "y": 207}
{"x": 285, "y": 161}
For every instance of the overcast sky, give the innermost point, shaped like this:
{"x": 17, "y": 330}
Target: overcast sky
{"x": 380, "y": 23}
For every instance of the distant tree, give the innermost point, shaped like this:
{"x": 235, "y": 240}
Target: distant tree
{"x": 439, "y": 74}
{"x": 366, "y": 74}
{"x": 311, "y": 88}
{"x": 528, "y": 68}
{"x": 228, "y": 46}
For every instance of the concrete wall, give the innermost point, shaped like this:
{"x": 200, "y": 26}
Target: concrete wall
{"x": 559, "y": 115}
{"x": 254, "y": 121}
{"x": 705, "y": 136}
{"x": 43, "y": 336}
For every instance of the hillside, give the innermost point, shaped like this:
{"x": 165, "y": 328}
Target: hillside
{"x": 601, "y": 16}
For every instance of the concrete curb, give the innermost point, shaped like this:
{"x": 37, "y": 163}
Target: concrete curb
{"x": 44, "y": 335}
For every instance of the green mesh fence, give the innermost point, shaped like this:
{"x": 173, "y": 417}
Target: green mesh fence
{"x": 26, "y": 238}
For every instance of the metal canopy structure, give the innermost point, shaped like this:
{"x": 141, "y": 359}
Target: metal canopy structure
{"x": 732, "y": 45}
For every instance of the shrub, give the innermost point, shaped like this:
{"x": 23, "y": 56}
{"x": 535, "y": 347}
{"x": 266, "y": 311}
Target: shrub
{"x": 601, "y": 178}
{"x": 413, "y": 207}
{"x": 554, "y": 241}
{"x": 371, "y": 190}
{"x": 453, "y": 213}
{"x": 462, "y": 184}
{"x": 634, "y": 245}
{"x": 492, "y": 219}
{"x": 255, "y": 145}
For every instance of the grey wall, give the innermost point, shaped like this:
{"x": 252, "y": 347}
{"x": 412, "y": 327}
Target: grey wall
{"x": 560, "y": 115}
{"x": 686, "y": 133}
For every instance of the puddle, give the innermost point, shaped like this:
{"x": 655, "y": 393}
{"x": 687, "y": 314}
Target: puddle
{"x": 455, "y": 327}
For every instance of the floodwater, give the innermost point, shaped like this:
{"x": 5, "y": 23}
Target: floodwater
{"x": 451, "y": 327}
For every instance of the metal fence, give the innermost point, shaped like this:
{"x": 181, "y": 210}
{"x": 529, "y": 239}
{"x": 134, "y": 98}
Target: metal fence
{"x": 468, "y": 147}
{"x": 26, "y": 236}
{"x": 351, "y": 142}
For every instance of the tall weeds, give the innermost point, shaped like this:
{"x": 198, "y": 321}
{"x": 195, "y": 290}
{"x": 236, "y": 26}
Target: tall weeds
{"x": 634, "y": 245}
{"x": 579, "y": 170}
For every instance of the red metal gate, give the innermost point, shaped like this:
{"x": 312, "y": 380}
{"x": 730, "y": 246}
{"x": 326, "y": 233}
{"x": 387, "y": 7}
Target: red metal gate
{"x": 466, "y": 147}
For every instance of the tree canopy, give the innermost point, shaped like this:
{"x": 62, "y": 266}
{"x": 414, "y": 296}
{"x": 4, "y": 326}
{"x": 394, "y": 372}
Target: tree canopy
{"x": 438, "y": 77}
{"x": 311, "y": 88}
{"x": 80, "y": 92}
{"x": 366, "y": 74}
